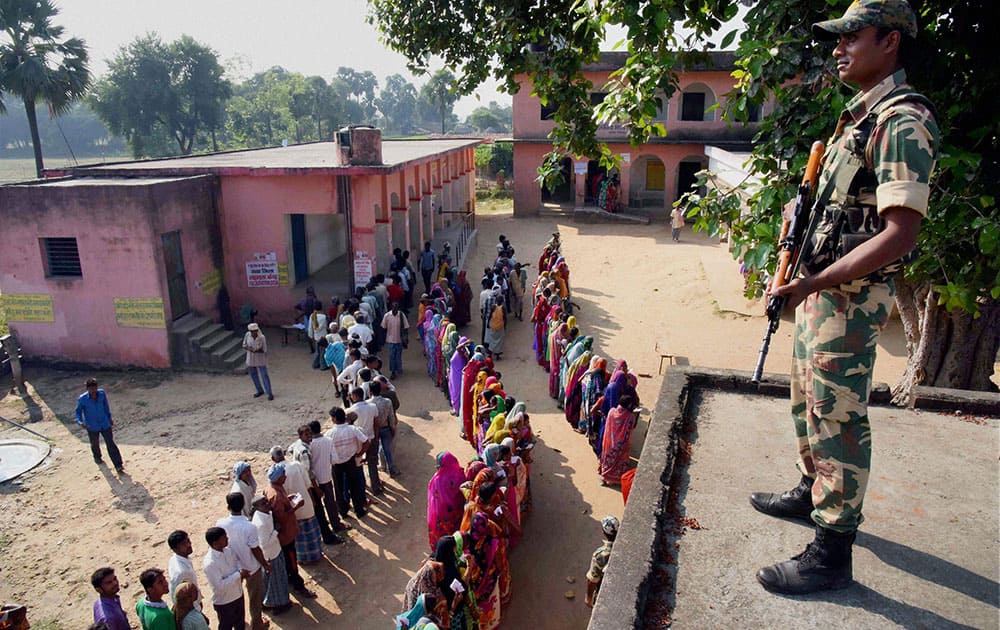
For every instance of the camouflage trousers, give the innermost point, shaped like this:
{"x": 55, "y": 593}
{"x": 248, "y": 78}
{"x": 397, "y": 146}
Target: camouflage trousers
{"x": 833, "y": 357}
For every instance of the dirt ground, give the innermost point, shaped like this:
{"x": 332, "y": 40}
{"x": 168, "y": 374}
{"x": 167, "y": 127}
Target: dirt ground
{"x": 180, "y": 434}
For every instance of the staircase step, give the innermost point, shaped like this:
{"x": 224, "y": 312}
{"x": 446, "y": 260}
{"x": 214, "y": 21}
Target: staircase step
{"x": 198, "y": 336}
{"x": 219, "y": 338}
{"x": 189, "y": 323}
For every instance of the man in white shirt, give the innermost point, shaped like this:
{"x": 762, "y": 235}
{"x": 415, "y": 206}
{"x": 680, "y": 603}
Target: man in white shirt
{"x": 364, "y": 413}
{"x": 179, "y": 567}
{"x": 321, "y": 467}
{"x": 348, "y": 376}
{"x": 276, "y": 597}
{"x": 243, "y": 541}
{"x": 224, "y": 575}
{"x": 362, "y": 330}
{"x": 301, "y": 450}
{"x": 349, "y": 444}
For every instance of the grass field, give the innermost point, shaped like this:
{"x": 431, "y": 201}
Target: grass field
{"x": 23, "y": 169}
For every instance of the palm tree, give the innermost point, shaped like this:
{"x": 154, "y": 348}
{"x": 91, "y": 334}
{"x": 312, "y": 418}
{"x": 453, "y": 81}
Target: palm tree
{"x": 36, "y": 64}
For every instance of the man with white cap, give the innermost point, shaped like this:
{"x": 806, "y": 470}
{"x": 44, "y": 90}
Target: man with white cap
{"x": 256, "y": 346}
{"x": 599, "y": 561}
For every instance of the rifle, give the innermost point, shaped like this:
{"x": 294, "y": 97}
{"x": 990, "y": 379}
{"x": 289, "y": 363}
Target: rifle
{"x": 793, "y": 233}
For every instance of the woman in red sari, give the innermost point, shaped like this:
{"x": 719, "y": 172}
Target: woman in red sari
{"x": 462, "y": 311}
{"x": 540, "y": 318}
{"x": 617, "y": 443}
{"x": 445, "y": 501}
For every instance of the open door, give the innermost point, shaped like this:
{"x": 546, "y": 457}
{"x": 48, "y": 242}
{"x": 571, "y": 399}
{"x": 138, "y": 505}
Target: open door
{"x": 176, "y": 278}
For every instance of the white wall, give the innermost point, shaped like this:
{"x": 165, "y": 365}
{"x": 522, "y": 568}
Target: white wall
{"x": 326, "y": 239}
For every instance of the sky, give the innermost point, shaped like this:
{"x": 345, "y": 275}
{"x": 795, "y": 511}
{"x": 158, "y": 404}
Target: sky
{"x": 313, "y": 37}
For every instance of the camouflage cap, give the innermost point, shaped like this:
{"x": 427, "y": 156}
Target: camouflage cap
{"x": 893, "y": 14}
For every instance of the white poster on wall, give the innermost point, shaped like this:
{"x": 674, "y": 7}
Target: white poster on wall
{"x": 362, "y": 268}
{"x": 262, "y": 273}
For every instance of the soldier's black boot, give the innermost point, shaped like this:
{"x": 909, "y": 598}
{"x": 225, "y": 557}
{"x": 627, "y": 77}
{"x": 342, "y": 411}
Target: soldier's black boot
{"x": 796, "y": 503}
{"x": 824, "y": 565}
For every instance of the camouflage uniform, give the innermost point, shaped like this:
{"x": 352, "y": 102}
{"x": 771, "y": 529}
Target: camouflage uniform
{"x": 837, "y": 329}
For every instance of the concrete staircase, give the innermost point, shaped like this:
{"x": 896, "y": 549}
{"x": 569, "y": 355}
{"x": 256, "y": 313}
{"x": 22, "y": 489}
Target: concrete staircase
{"x": 198, "y": 342}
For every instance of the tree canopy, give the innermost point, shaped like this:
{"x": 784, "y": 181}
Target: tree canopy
{"x": 156, "y": 91}
{"x": 37, "y": 64}
{"x": 952, "y": 290}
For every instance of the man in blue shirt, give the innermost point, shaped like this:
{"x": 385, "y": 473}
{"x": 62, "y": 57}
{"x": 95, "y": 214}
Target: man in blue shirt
{"x": 94, "y": 413}
{"x": 428, "y": 262}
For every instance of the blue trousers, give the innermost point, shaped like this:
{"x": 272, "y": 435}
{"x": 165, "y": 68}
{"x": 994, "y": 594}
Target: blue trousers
{"x": 395, "y": 358}
{"x": 385, "y": 439}
{"x": 258, "y": 374}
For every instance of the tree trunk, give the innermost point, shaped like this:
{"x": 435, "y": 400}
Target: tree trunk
{"x": 945, "y": 348}
{"x": 36, "y": 141}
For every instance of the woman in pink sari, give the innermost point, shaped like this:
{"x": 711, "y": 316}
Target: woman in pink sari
{"x": 617, "y": 443}
{"x": 445, "y": 501}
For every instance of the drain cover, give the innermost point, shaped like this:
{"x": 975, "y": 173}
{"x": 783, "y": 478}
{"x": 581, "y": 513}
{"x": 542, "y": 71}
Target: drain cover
{"x": 19, "y": 456}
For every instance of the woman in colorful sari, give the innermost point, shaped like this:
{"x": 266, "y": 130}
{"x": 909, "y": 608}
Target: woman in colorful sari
{"x": 488, "y": 560}
{"x": 591, "y": 388}
{"x": 424, "y": 583}
{"x": 579, "y": 346}
{"x": 445, "y": 349}
{"x": 558, "y": 341}
{"x": 456, "y": 369}
{"x": 622, "y": 383}
{"x": 424, "y": 328}
{"x": 470, "y": 374}
{"x": 573, "y": 394}
{"x": 445, "y": 502}
{"x": 486, "y": 475}
{"x": 538, "y": 286}
{"x": 617, "y": 444}
{"x": 483, "y": 405}
{"x": 462, "y": 311}
{"x": 440, "y": 325}
{"x": 460, "y": 615}
{"x": 423, "y": 610}
{"x": 517, "y": 485}
{"x": 497, "y": 426}
{"x": 489, "y": 407}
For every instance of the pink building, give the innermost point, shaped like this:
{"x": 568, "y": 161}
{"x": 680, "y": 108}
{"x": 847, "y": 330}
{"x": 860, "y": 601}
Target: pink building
{"x": 653, "y": 175}
{"x": 100, "y": 263}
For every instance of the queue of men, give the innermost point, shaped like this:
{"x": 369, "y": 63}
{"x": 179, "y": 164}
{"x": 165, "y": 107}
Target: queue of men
{"x": 253, "y": 552}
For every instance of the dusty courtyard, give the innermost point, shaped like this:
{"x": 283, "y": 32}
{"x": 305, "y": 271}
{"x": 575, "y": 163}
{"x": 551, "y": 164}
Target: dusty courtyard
{"x": 180, "y": 434}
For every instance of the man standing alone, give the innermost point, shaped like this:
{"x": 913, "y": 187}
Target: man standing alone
{"x": 256, "y": 346}
{"x": 94, "y": 413}
{"x": 428, "y": 262}
{"x": 876, "y": 173}
{"x": 396, "y": 327}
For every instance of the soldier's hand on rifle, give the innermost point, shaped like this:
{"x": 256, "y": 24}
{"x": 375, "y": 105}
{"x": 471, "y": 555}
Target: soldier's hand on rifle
{"x": 794, "y": 292}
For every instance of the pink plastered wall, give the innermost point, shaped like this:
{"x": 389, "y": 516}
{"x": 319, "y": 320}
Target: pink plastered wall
{"x": 254, "y": 221}
{"x": 118, "y": 231}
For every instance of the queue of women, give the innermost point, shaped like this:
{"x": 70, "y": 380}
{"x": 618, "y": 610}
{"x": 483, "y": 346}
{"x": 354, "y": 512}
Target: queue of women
{"x": 474, "y": 513}
{"x": 596, "y": 403}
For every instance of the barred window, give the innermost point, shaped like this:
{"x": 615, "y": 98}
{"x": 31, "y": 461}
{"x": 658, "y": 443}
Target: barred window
{"x": 62, "y": 258}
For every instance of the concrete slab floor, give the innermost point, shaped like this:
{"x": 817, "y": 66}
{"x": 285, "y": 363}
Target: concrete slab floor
{"x": 927, "y": 553}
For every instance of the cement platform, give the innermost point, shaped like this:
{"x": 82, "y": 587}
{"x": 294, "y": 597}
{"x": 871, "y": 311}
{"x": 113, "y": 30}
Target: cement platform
{"x": 926, "y": 555}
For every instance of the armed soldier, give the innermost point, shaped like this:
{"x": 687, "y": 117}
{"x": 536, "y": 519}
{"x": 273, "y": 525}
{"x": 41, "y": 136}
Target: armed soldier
{"x": 872, "y": 194}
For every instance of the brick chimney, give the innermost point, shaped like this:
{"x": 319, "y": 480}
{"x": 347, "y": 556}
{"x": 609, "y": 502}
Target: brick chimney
{"x": 358, "y": 145}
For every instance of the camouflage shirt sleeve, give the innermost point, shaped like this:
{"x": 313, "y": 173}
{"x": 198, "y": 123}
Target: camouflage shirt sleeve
{"x": 905, "y": 145}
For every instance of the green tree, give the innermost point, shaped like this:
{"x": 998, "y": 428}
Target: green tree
{"x": 37, "y": 64}
{"x": 155, "y": 90}
{"x": 260, "y": 112}
{"x": 361, "y": 88}
{"x": 492, "y": 118}
{"x": 949, "y": 299}
{"x": 398, "y": 103}
{"x": 438, "y": 97}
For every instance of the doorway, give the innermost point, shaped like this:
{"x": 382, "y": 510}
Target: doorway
{"x": 173, "y": 259}
{"x": 687, "y": 177}
{"x": 300, "y": 252}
